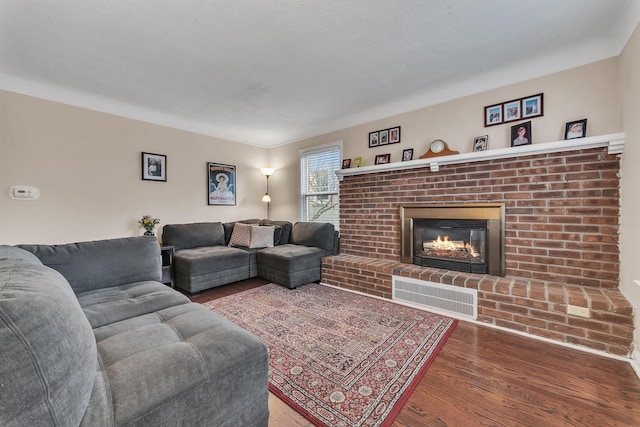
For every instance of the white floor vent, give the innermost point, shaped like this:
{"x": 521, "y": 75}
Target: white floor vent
{"x": 447, "y": 299}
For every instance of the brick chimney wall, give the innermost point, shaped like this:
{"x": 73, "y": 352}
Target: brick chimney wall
{"x": 561, "y": 241}
{"x": 561, "y": 211}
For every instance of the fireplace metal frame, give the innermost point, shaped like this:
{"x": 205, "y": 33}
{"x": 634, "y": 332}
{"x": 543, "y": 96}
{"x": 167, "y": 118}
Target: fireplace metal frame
{"x": 494, "y": 213}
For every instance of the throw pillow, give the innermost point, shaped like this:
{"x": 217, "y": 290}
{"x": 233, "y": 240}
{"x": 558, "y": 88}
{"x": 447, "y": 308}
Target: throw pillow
{"x": 241, "y": 235}
{"x": 262, "y": 237}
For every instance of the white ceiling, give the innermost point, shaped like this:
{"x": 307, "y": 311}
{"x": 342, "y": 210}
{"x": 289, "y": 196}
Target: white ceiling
{"x": 272, "y": 72}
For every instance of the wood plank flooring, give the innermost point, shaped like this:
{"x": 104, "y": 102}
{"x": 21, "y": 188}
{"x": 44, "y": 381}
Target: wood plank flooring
{"x": 486, "y": 377}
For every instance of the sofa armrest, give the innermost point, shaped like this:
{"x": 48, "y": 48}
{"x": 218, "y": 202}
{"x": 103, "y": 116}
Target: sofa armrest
{"x": 317, "y": 234}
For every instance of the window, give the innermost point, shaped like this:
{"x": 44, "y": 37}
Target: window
{"x": 319, "y": 194}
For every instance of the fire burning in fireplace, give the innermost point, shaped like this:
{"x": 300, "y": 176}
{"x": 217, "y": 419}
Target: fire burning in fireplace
{"x": 460, "y": 237}
{"x": 446, "y": 248}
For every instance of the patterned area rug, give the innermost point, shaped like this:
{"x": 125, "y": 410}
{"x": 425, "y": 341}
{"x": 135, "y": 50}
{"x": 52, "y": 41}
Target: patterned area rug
{"x": 339, "y": 358}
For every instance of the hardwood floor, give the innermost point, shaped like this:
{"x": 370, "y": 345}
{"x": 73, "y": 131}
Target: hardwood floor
{"x": 486, "y": 377}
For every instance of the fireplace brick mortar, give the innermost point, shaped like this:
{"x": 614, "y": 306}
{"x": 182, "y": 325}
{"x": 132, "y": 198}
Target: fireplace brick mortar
{"x": 561, "y": 241}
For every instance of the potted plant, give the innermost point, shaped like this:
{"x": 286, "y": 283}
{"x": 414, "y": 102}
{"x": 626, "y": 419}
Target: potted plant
{"x": 148, "y": 223}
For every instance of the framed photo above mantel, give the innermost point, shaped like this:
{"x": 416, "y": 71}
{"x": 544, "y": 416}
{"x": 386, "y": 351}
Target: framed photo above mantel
{"x": 516, "y": 109}
{"x": 481, "y": 143}
{"x": 384, "y": 137}
{"x": 221, "y": 184}
{"x": 521, "y": 134}
{"x": 382, "y": 159}
{"x": 532, "y": 106}
{"x": 575, "y": 129}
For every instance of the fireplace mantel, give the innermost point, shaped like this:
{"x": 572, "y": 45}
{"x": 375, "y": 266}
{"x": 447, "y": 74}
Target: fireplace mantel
{"x": 614, "y": 142}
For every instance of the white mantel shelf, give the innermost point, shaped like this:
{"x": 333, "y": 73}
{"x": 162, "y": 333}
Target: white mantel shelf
{"x": 614, "y": 142}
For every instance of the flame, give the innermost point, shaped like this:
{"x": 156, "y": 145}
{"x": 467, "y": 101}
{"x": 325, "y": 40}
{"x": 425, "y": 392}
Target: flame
{"x": 445, "y": 244}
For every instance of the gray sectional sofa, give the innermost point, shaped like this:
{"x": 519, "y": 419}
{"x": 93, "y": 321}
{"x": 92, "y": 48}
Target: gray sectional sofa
{"x": 90, "y": 337}
{"x": 209, "y": 255}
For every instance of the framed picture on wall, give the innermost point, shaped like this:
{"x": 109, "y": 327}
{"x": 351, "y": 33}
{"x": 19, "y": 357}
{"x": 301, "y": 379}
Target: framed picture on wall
{"x": 221, "y": 184}
{"x": 374, "y": 139}
{"x": 384, "y": 137}
{"x": 394, "y": 135}
{"x": 154, "y": 167}
{"x": 511, "y": 110}
{"x": 493, "y": 115}
{"x": 532, "y": 106}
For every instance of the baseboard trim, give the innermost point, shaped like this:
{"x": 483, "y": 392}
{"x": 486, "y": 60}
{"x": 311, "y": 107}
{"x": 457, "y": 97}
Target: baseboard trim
{"x": 635, "y": 362}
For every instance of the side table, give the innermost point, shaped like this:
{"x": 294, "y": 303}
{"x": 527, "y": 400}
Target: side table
{"x": 167, "y": 264}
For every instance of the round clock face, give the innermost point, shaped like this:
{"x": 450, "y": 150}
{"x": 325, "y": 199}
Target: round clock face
{"x": 437, "y": 146}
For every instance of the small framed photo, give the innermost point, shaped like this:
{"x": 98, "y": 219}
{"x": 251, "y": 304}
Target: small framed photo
{"x": 481, "y": 143}
{"x": 384, "y": 137}
{"x": 575, "y": 129}
{"x": 493, "y": 115}
{"x": 382, "y": 159}
{"x": 221, "y": 183}
{"x": 521, "y": 134}
{"x": 374, "y": 139}
{"x": 346, "y": 163}
{"x": 357, "y": 162}
{"x": 407, "y": 154}
{"x": 532, "y": 106}
{"x": 394, "y": 135}
{"x": 511, "y": 110}
{"x": 154, "y": 167}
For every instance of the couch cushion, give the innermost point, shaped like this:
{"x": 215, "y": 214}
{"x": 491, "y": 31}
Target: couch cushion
{"x": 321, "y": 235}
{"x": 184, "y": 236}
{"x": 241, "y": 235}
{"x": 109, "y": 305}
{"x": 205, "y": 267}
{"x": 262, "y": 236}
{"x": 183, "y": 365}
{"x": 103, "y": 263}
{"x": 47, "y": 348}
{"x": 209, "y": 259}
{"x": 283, "y": 231}
{"x": 291, "y": 257}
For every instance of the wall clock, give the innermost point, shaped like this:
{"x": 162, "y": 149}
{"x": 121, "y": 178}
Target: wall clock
{"x": 438, "y": 148}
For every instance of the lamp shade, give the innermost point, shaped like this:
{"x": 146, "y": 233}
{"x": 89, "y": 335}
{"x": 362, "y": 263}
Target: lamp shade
{"x": 266, "y": 198}
{"x": 267, "y": 171}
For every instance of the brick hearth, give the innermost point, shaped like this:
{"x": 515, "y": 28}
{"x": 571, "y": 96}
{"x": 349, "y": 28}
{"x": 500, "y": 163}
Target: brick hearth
{"x": 561, "y": 241}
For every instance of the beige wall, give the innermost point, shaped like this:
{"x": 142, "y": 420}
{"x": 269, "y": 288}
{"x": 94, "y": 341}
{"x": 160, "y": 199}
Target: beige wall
{"x": 87, "y": 166}
{"x": 630, "y": 199}
{"x": 588, "y": 92}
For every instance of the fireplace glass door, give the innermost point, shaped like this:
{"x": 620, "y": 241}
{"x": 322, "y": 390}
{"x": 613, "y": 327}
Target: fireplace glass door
{"x": 459, "y": 245}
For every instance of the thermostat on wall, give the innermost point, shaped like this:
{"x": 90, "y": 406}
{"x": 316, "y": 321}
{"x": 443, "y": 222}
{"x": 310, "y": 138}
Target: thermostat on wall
{"x": 24, "y": 192}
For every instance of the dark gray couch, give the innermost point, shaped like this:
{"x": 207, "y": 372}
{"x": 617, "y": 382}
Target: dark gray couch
{"x": 89, "y": 337}
{"x": 204, "y": 258}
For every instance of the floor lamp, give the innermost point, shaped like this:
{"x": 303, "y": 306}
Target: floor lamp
{"x": 267, "y": 172}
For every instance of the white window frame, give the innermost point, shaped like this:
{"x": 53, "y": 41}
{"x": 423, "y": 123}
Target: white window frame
{"x": 305, "y": 152}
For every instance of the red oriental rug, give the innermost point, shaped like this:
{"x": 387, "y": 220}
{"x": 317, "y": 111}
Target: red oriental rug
{"x": 339, "y": 358}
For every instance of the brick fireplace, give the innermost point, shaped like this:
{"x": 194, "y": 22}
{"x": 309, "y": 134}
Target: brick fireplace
{"x": 561, "y": 204}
